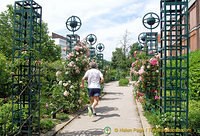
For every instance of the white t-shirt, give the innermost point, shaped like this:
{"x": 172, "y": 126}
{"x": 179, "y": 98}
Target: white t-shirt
{"x": 93, "y": 76}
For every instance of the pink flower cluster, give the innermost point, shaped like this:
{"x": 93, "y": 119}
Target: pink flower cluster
{"x": 140, "y": 94}
{"x": 65, "y": 93}
{"x": 157, "y": 97}
{"x": 77, "y": 48}
{"x": 71, "y": 64}
{"x": 153, "y": 62}
{"x": 58, "y": 73}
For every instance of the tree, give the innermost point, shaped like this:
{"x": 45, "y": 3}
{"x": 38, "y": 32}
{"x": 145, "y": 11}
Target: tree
{"x": 125, "y": 43}
{"x": 118, "y": 59}
{"x": 132, "y": 58}
{"x": 49, "y": 51}
{"x": 133, "y": 48}
{"x": 6, "y": 31}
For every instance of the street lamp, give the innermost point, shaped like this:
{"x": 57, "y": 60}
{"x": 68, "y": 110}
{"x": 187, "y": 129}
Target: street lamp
{"x": 91, "y": 39}
{"x": 73, "y": 24}
{"x": 151, "y": 21}
{"x": 100, "y": 47}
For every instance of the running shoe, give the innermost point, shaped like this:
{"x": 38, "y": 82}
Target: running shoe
{"x": 89, "y": 111}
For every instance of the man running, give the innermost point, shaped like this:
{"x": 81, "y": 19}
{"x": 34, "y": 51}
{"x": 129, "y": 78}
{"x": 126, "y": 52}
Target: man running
{"x": 95, "y": 78}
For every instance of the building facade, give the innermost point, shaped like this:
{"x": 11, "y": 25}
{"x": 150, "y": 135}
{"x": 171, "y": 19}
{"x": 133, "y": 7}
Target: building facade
{"x": 60, "y": 41}
{"x": 194, "y": 24}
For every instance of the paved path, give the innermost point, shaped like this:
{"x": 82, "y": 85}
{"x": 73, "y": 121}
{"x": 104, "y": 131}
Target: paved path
{"x": 116, "y": 110}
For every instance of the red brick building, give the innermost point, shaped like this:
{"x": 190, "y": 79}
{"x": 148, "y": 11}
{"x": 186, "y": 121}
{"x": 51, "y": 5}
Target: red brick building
{"x": 194, "y": 24}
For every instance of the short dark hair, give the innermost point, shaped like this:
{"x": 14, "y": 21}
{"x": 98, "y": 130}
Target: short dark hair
{"x": 93, "y": 65}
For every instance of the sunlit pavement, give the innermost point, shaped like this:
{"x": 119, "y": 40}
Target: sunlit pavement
{"x": 116, "y": 110}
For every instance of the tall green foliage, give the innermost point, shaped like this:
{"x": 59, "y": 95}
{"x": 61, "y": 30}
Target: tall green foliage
{"x": 5, "y": 76}
{"x": 194, "y": 74}
{"x": 49, "y": 51}
{"x": 6, "y": 31}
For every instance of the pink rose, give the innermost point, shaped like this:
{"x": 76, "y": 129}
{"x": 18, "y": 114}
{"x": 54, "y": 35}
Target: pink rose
{"x": 157, "y": 71}
{"x": 155, "y": 91}
{"x": 46, "y": 105}
{"x": 68, "y": 56}
{"x": 12, "y": 73}
{"x": 77, "y": 48}
{"x": 88, "y": 53}
{"x": 77, "y": 71}
{"x": 65, "y": 84}
{"x": 60, "y": 83}
{"x": 156, "y": 97}
{"x": 154, "y": 62}
{"x": 65, "y": 93}
{"x": 133, "y": 64}
{"x": 58, "y": 73}
{"x": 79, "y": 101}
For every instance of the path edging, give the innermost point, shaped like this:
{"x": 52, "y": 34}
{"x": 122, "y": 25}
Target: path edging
{"x": 59, "y": 127}
{"x": 145, "y": 125}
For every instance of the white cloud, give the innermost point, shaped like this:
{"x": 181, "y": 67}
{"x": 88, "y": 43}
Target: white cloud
{"x": 107, "y": 19}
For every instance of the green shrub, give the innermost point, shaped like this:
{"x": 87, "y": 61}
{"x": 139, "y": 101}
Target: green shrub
{"x": 123, "y": 75}
{"x": 194, "y": 115}
{"x": 62, "y": 116}
{"x": 194, "y": 75}
{"x": 4, "y": 110}
{"x": 123, "y": 82}
{"x": 113, "y": 75}
{"x": 47, "y": 124}
{"x": 5, "y": 90}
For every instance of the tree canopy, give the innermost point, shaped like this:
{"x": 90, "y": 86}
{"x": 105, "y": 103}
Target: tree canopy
{"x": 49, "y": 51}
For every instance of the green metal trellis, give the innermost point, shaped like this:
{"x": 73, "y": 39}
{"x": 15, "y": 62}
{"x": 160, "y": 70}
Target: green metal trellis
{"x": 26, "y": 76}
{"x": 175, "y": 63}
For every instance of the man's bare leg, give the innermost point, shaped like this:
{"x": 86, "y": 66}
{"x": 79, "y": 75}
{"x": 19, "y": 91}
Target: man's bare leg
{"x": 96, "y": 101}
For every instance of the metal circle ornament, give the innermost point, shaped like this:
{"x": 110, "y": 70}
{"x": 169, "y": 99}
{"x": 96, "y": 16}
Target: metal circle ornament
{"x": 73, "y": 23}
{"x": 140, "y": 46}
{"x": 100, "y": 47}
{"x": 91, "y": 39}
{"x": 151, "y": 20}
{"x": 142, "y": 38}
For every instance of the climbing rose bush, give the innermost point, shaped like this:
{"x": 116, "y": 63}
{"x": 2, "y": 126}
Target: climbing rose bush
{"x": 66, "y": 91}
{"x": 147, "y": 71}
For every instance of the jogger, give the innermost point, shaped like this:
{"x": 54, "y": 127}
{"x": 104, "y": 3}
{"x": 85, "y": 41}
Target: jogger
{"x": 95, "y": 78}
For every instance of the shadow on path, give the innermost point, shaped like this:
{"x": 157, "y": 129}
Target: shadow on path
{"x": 105, "y": 116}
{"x": 109, "y": 98}
{"x": 89, "y": 132}
{"x": 114, "y": 93}
{"x": 105, "y": 109}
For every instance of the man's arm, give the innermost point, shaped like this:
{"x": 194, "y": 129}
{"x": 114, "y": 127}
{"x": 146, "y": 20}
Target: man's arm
{"x": 83, "y": 81}
{"x": 102, "y": 79}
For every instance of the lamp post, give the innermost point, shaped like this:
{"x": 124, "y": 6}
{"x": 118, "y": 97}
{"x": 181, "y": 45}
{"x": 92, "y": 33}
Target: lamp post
{"x": 100, "y": 47}
{"x": 73, "y": 24}
{"x": 151, "y": 21}
{"x": 91, "y": 39}
{"x": 142, "y": 40}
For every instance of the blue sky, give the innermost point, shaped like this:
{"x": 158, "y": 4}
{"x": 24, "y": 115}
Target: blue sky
{"x": 107, "y": 19}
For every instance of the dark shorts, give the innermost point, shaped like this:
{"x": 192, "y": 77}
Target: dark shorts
{"x": 94, "y": 92}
